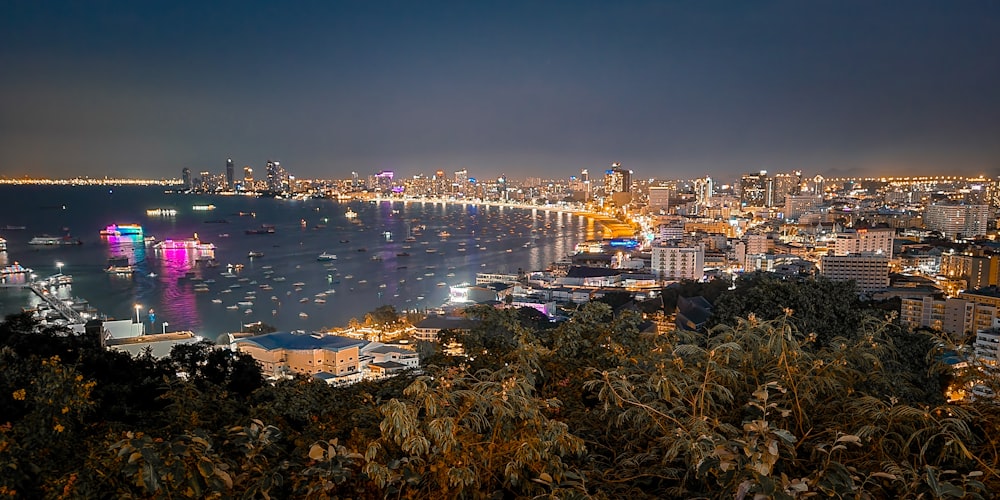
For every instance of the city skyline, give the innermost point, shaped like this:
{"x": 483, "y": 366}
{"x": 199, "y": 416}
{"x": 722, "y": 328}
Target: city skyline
{"x": 526, "y": 90}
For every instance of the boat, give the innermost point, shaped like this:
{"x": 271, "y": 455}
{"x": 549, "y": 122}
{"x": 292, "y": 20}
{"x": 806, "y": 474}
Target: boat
{"x": 161, "y": 212}
{"x": 252, "y": 254}
{"x": 54, "y": 240}
{"x": 119, "y": 265}
{"x": 298, "y": 284}
{"x": 326, "y": 256}
{"x": 233, "y": 307}
{"x": 9, "y": 227}
{"x": 15, "y": 268}
{"x": 319, "y": 301}
{"x": 185, "y": 244}
{"x": 376, "y": 257}
{"x": 122, "y": 230}
{"x": 303, "y": 300}
{"x": 216, "y": 301}
{"x": 245, "y": 303}
{"x": 202, "y": 208}
{"x": 431, "y": 250}
{"x": 403, "y": 254}
{"x": 263, "y": 229}
{"x": 351, "y": 214}
{"x": 303, "y": 315}
{"x": 3, "y": 245}
{"x": 444, "y": 234}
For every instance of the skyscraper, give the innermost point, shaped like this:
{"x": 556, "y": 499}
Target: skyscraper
{"x": 186, "y": 177}
{"x": 277, "y": 179}
{"x": 617, "y": 180}
{"x": 230, "y": 171}
{"x": 756, "y": 190}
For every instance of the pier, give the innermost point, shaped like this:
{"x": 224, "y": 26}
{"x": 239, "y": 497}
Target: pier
{"x": 39, "y": 288}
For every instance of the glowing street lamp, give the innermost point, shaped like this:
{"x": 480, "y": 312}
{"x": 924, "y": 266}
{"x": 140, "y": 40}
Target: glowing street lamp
{"x": 138, "y": 322}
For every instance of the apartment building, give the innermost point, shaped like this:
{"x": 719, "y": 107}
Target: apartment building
{"x": 870, "y": 272}
{"x": 678, "y": 262}
{"x": 873, "y": 241}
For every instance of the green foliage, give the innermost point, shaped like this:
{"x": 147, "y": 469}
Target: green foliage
{"x": 798, "y": 390}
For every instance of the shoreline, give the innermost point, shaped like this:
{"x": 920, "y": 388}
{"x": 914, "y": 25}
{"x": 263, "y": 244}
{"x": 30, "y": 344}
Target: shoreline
{"x": 617, "y": 227}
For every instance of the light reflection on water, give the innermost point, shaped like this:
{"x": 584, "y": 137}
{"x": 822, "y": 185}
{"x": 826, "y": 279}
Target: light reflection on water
{"x": 514, "y": 239}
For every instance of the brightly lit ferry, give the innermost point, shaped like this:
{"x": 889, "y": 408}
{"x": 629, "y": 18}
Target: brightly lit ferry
{"x": 14, "y": 268}
{"x": 186, "y": 244}
{"x": 161, "y": 212}
{"x": 122, "y": 230}
{"x": 203, "y": 207}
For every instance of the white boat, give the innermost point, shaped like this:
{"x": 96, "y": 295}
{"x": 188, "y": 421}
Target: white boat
{"x": 303, "y": 315}
{"x": 54, "y": 240}
{"x": 216, "y": 301}
{"x": 244, "y": 303}
{"x": 161, "y": 212}
{"x": 233, "y": 307}
{"x": 319, "y": 301}
{"x": 326, "y": 256}
{"x": 351, "y": 214}
{"x": 202, "y": 208}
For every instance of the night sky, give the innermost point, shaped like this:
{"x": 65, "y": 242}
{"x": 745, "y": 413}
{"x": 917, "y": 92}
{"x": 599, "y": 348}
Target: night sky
{"x": 535, "y": 88}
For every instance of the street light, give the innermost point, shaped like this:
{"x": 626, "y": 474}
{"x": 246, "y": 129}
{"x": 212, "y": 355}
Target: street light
{"x": 138, "y": 322}
{"x": 165, "y": 325}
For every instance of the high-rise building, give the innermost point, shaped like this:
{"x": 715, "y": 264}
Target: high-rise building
{"x": 865, "y": 241}
{"x": 796, "y": 205}
{"x": 248, "y": 182}
{"x": 230, "y": 173}
{"x": 461, "y": 179}
{"x": 783, "y": 185}
{"x": 703, "y": 189}
{"x": 382, "y": 181}
{"x": 186, "y": 177}
{"x": 617, "y": 180}
{"x": 678, "y": 262}
{"x": 957, "y": 221}
{"x": 277, "y": 178}
{"x": 756, "y": 190}
{"x": 869, "y": 272}
{"x": 659, "y": 198}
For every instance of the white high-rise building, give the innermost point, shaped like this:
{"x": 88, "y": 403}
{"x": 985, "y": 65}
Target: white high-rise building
{"x": 865, "y": 241}
{"x": 954, "y": 221}
{"x": 678, "y": 262}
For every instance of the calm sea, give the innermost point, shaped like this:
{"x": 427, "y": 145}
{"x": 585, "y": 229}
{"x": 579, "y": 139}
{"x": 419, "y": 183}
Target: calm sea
{"x": 369, "y": 271}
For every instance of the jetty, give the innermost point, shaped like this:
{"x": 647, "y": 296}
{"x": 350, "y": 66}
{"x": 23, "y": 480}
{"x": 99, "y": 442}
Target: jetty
{"x": 40, "y": 288}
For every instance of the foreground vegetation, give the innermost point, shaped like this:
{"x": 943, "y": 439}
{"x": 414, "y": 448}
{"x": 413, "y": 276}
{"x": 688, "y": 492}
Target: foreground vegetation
{"x": 798, "y": 390}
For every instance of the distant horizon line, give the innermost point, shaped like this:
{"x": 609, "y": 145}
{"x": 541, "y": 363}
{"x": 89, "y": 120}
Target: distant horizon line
{"x": 107, "y": 180}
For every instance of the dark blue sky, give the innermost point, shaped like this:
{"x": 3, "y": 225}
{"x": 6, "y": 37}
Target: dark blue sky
{"x": 670, "y": 89}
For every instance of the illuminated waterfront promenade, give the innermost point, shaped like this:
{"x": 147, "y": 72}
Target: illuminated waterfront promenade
{"x": 617, "y": 227}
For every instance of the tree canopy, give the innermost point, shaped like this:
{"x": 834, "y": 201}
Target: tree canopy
{"x": 782, "y": 398}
